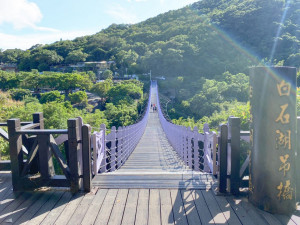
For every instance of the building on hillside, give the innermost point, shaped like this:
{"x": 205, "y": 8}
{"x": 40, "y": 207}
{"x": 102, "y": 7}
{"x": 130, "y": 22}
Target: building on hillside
{"x": 97, "y": 67}
{"x": 9, "y": 67}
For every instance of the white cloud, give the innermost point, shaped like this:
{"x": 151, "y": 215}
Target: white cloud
{"x": 121, "y": 15}
{"x": 26, "y": 41}
{"x": 21, "y": 14}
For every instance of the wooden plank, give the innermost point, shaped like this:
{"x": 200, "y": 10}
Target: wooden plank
{"x": 131, "y": 207}
{"x": 178, "y": 208}
{"x": 61, "y": 139}
{"x": 94, "y": 207}
{"x": 241, "y": 213}
{"x": 154, "y": 208}
{"x": 257, "y": 218}
{"x": 142, "y": 212}
{"x": 69, "y": 210}
{"x": 47, "y": 207}
{"x": 34, "y": 208}
{"x": 285, "y": 220}
{"x": 81, "y": 210}
{"x": 60, "y": 158}
{"x": 58, "y": 209}
{"x": 213, "y": 207}
{"x": 4, "y": 134}
{"x": 30, "y": 158}
{"x": 296, "y": 217}
{"x": 203, "y": 211}
{"x": 9, "y": 199}
{"x": 270, "y": 218}
{"x": 190, "y": 208}
{"x": 118, "y": 209}
{"x": 12, "y": 205}
{"x": 13, "y": 215}
{"x": 167, "y": 216}
{"x": 228, "y": 212}
{"x": 105, "y": 212}
{"x": 5, "y": 191}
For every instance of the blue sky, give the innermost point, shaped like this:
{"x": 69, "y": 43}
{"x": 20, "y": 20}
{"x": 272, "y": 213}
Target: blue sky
{"x": 24, "y": 23}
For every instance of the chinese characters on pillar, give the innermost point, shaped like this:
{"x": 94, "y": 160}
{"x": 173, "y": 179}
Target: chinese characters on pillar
{"x": 283, "y": 143}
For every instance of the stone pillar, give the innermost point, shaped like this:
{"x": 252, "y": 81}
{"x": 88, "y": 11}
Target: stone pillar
{"x": 272, "y": 183}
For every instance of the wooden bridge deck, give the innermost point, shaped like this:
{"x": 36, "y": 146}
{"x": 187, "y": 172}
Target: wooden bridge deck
{"x": 129, "y": 206}
{"x": 154, "y": 164}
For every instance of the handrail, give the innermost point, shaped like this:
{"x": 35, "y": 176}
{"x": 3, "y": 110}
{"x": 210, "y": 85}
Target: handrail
{"x": 197, "y": 150}
{"x": 43, "y": 131}
{"x": 111, "y": 151}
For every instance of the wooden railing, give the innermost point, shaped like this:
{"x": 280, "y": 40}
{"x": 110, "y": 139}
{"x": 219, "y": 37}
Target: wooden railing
{"x": 5, "y": 165}
{"x": 36, "y": 168}
{"x": 231, "y": 174}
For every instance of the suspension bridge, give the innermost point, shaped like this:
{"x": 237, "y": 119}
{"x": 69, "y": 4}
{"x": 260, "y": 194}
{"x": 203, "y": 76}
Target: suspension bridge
{"x": 152, "y": 172}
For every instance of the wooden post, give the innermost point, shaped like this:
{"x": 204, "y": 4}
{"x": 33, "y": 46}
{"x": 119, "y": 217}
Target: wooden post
{"x": 37, "y": 118}
{"x": 86, "y": 157}
{"x": 222, "y": 151}
{"x": 45, "y": 156}
{"x": 79, "y": 152}
{"x": 15, "y": 149}
{"x": 73, "y": 138}
{"x": 234, "y": 125}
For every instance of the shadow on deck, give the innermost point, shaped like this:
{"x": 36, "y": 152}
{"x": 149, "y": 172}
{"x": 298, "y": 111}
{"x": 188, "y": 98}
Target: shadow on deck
{"x": 129, "y": 206}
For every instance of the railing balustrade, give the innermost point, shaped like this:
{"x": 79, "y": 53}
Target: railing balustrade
{"x": 110, "y": 151}
{"x": 197, "y": 150}
{"x": 33, "y": 150}
{"x": 229, "y": 151}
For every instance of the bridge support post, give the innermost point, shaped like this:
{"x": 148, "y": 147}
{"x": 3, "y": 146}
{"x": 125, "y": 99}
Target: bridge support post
{"x": 86, "y": 158}
{"x": 222, "y": 177}
{"x": 73, "y": 142}
{"x": 234, "y": 154}
{"x": 272, "y": 179}
{"x": 15, "y": 150}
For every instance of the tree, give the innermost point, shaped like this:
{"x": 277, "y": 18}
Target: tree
{"x": 101, "y": 89}
{"x": 76, "y": 56}
{"x": 124, "y": 93}
{"x": 8, "y": 80}
{"x": 78, "y": 97}
{"x": 19, "y": 94}
{"x": 107, "y": 74}
{"x": 51, "y": 97}
{"x": 42, "y": 59}
{"x": 12, "y": 55}
{"x": 121, "y": 115}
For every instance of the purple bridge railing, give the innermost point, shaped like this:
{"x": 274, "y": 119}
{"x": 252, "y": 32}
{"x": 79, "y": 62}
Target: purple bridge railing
{"x": 197, "y": 150}
{"x": 110, "y": 151}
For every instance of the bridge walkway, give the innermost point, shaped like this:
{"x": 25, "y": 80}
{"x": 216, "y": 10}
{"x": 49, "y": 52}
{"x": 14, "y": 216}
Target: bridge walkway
{"x": 128, "y": 207}
{"x": 154, "y": 164}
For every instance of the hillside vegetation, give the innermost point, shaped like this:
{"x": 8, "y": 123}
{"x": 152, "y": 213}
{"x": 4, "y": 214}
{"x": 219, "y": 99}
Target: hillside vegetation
{"x": 204, "y": 50}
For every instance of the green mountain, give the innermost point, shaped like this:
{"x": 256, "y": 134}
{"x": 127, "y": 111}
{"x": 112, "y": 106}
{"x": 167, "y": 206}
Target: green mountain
{"x": 203, "y": 39}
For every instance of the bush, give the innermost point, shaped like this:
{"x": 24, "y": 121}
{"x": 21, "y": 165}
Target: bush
{"x": 51, "y": 97}
{"x": 78, "y": 97}
{"x": 19, "y": 94}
